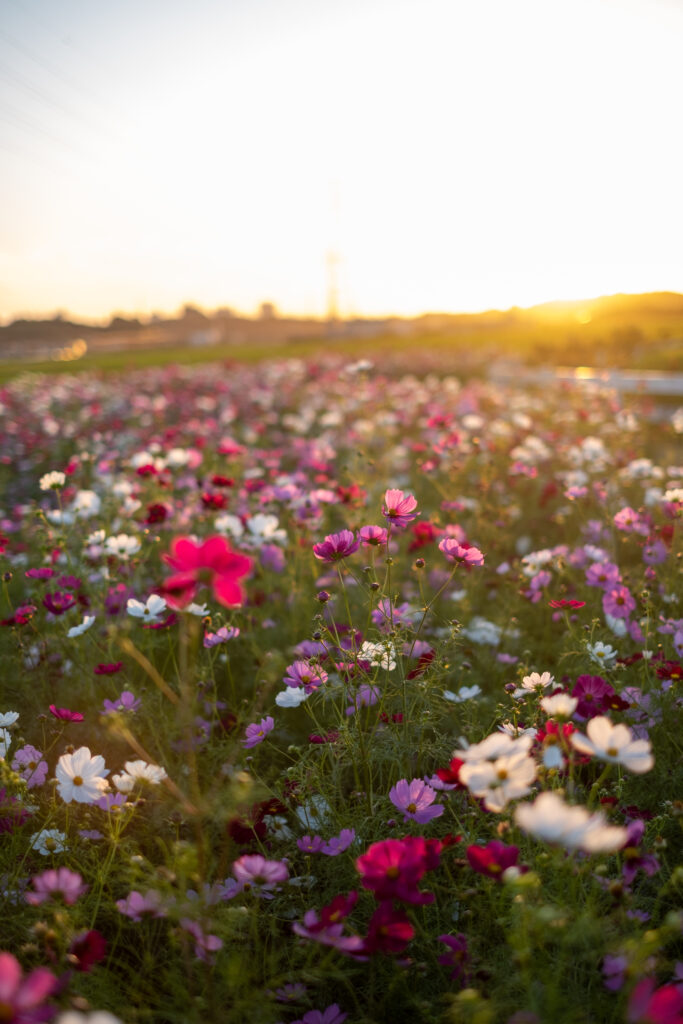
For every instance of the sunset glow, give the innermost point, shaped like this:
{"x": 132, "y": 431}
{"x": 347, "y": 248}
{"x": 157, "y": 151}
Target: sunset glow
{"x": 449, "y": 155}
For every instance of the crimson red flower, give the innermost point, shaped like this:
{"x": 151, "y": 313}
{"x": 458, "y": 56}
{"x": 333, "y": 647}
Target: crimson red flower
{"x": 211, "y": 561}
{"x": 65, "y": 715}
{"x": 647, "y": 1006}
{"x": 567, "y": 604}
{"x": 389, "y": 931}
{"x": 108, "y": 670}
{"x": 451, "y": 775}
{"x": 492, "y": 859}
{"x": 392, "y": 868}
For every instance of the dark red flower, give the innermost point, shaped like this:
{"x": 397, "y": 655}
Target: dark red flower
{"x": 156, "y": 513}
{"x": 389, "y": 931}
{"x": 423, "y": 533}
{"x": 87, "y": 949}
{"x": 222, "y": 481}
{"x": 567, "y": 604}
{"x": 108, "y": 670}
{"x": 451, "y": 775}
{"x": 214, "y": 500}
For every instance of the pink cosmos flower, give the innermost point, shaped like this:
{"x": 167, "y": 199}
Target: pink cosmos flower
{"x": 308, "y": 845}
{"x": 461, "y": 554}
{"x": 618, "y": 602}
{"x": 328, "y": 927}
{"x": 23, "y": 999}
{"x": 392, "y": 868}
{"x": 336, "y": 546}
{"x": 29, "y": 763}
{"x": 306, "y": 674}
{"x": 373, "y": 536}
{"x": 204, "y": 945}
{"x": 399, "y": 508}
{"x": 136, "y": 906}
{"x": 126, "y": 702}
{"x": 56, "y": 882}
{"x": 603, "y": 574}
{"x": 257, "y": 732}
{"x": 415, "y": 799}
{"x": 211, "y": 561}
{"x": 259, "y": 874}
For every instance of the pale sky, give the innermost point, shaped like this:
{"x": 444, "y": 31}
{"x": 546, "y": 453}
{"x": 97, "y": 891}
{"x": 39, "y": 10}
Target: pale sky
{"x": 452, "y": 154}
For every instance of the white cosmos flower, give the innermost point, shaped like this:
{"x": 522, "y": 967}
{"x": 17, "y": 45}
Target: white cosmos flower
{"x": 200, "y": 610}
{"x": 264, "y": 529}
{"x": 138, "y": 771}
{"x": 122, "y": 546}
{"x": 5, "y": 742}
{"x": 49, "y": 840}
{"x": 551, "y": 819}
{"x": 507, "y": 778}
{"x": 534, "y": 683}
{"x": 615, "y": 744}
{"x": 291, "y": 697}
{"x": 561, "y": 704}
{"x": 79, "y": 630}
{"x": 153, "y": 607}
{"x": 52, "y": 480}
{"x": 96, "y": 1017}
{"x": 602, "y": 654}
{"x": 498, "y": 744}
{"x": 382, "y": 655}
{"x": 8, "y": 718}
{"x": 230, "y": 524}
{"x": 463, "y": 694}
{"x": 85, "y": 505}
{"x": 81, "y": 776}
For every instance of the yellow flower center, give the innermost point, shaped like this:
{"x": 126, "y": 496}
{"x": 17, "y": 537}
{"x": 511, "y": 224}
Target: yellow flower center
{"x": 78, "y": 781}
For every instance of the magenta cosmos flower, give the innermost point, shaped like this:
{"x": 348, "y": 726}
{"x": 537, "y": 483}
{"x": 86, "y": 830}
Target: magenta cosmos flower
{"x": 56, "y": 883}
{"x": 336, "y": 546}
{"x": 492, "y": 859}
{"x": 213, "y": 562}
{"x": 23, "y": 999}
{"x": 136, "y": 906}
{"x": 415, "y": 799}
{"x": 257, "y": 732}
{"x": 619, "y": 602}
{"x": 460, "y": 554}
{"x": 399, "y": 508}
{"x": 304, "y": 673}
{"x": 392, "y": 868}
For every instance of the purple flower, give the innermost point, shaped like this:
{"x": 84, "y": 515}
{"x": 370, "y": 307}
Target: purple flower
{"x": 364, "y": 697}
{"x": 126, "y": 702}
{"x": 28, "y": 762}
{"x": 257, "y": 732}
{"x": 337, "y": 844}
{"x": 603, "y": 574}
{"x": 458, "y": 957}
{"x": 59, "y": 602}
{"x": 272, "y": 557}
{"x": 415, "y": 799}
{"x": 308, "y": 845}
{"x": 614, "y": 971}
{"x": 331, "y": 1015}
{"x": 590, "y": 691}
{"x": 336, "y": 546}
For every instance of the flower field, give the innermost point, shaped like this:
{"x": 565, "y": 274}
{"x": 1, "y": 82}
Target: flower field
{"x": 338, "y": 692}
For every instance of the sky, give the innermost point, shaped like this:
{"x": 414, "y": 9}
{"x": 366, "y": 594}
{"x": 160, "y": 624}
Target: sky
{"x": 410, "y": 155}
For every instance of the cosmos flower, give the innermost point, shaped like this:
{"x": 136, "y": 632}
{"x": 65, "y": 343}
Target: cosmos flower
{"x": 81, "y": 776}
{"x": 614, "y": 744}
{"x": 416, "y": 800}
{"x": 257, "y": 732}
{"x": 56, "y": 882}
{"x": 336, "y": 546}
{"x": 551, "y": 819}
{"x": 211, "y": 561}
{"x": 399, "y": 508}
